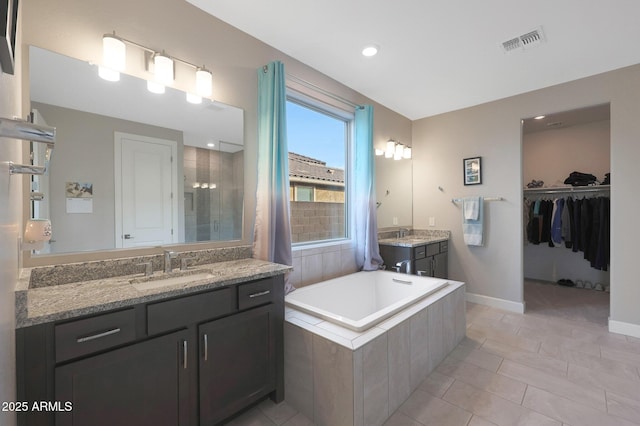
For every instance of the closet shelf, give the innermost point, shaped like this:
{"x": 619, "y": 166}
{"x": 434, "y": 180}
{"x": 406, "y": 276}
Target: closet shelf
{"x": 568, "y": 189}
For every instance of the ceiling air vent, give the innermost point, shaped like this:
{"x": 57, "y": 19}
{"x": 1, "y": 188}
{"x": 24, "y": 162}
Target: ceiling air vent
{"x": 525, "y": 41}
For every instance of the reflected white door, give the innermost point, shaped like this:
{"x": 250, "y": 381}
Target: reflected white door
{"x": 146, "y": 181}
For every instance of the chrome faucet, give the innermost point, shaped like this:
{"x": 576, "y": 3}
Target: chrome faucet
{"x": 402, "y": 232}
{"x": 406, "y": 264}
{"x": 168, "y": 256}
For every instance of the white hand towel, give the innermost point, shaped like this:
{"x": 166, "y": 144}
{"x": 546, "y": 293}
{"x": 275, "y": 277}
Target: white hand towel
{"x": 472, "y": 228}
{"x": 470, "y": 207}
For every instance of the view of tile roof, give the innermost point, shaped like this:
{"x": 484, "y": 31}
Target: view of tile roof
{"x": 303, "y": 167}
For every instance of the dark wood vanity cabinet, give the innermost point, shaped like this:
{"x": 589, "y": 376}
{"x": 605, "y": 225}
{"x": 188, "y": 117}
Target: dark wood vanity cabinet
{"x": 428, "y": 259}
{"x": 190, "y": 360}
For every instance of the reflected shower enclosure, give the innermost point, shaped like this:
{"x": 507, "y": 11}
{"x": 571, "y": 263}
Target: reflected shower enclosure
{"x": 213, "y": 193}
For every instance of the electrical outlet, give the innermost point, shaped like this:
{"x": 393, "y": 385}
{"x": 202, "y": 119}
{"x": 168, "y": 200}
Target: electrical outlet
{"x": 432, "y": 221}
{"x": 395, "y": 220}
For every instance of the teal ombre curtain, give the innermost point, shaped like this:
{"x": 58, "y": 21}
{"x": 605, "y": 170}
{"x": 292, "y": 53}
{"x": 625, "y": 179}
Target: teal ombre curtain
{"x": 364, "y": 196}
{"x": 272, "y": 233}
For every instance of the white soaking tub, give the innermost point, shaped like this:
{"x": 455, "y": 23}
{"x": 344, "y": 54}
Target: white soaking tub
{"x": 361, "y": 300}
{"x": 336, "y": 375}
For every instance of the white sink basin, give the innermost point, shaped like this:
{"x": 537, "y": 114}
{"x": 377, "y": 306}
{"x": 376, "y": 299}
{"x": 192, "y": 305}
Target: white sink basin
{"x": 167, "y": 281}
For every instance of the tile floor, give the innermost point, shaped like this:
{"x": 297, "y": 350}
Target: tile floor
{"x": 555, "y": 365}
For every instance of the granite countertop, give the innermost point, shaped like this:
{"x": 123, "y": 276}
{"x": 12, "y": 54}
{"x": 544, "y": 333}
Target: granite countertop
{"x": 63, "y": 301}
{"x": 416, "y": 238}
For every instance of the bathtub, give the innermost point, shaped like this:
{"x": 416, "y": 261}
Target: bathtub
{"x": 363, "y": 299}
{"x": 336, "y": 375}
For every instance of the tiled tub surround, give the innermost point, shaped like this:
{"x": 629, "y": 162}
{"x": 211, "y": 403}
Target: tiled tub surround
{"x": 336, "y": 376}
{"x": 73, "y": 289}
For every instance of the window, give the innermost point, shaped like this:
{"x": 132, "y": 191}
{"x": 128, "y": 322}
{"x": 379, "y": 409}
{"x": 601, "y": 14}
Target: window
{"x": 318, "y": 137}
{"x": 304, "y": 193}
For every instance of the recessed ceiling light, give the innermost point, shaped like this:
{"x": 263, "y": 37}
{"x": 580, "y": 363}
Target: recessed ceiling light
{"x": 211, "y": 144}
{"x": 540, "y": 117}
{"x": 370, "y": 50}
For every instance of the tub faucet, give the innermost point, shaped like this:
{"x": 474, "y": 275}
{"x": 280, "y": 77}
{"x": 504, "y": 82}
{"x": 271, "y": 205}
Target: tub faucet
{"x": 168, "y": 256}
{"x": 406, "y": 264}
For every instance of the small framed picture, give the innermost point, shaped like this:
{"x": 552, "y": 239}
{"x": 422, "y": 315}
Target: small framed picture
{"x": 8, "y": 22}
{"x": 472, "y": 169}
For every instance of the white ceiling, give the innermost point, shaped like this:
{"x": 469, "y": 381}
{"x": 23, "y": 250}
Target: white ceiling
{"x": 439, "y": 56}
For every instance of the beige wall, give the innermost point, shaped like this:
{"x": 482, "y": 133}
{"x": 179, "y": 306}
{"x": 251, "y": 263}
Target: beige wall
{"x": 10, "y": 225}
{"x": 552, "y": 154}
{"x": 492, "y": 131}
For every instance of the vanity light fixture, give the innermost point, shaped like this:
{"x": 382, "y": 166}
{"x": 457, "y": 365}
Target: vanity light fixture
{"x": 395, "y": 150}
{"x": 204, "y": 82}
{"x": 406, "y": 153}
{"x": 398, "y": 152}
{"x": 379, "y": 152}
{"x": 391, "y": 148}
{"x": 164, "y": 67}
{"x": 113, "y": 57}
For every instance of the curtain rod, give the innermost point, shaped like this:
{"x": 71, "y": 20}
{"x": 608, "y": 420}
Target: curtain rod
{"x": 318, "y": 89}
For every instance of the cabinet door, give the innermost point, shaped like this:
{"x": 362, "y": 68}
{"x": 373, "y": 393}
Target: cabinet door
{"x": 237, "y": 364}
{"x": 440, "y": 265}
{"x": 142, "y": 384}
{"x": 424, "y": 267}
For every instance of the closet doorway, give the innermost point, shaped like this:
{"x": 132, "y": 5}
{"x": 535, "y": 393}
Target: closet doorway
{"x": 566, "y": 214}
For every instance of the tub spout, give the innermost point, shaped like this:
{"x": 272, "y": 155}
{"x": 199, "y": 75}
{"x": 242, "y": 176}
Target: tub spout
{"x": 406, "y": 264}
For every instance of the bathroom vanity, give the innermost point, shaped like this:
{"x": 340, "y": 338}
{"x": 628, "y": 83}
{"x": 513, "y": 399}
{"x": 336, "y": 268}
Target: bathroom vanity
{"x": 193, "y": 352}
{"x": 426, "y": 252}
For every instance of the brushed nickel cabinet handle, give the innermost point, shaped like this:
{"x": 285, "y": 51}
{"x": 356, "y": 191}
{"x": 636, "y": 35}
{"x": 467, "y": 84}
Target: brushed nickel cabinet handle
{"x": 97, "y": 336}
{"x": 262, "y": 293}
{"x": 184, "y": 354}
{"x": 206, "y": 347}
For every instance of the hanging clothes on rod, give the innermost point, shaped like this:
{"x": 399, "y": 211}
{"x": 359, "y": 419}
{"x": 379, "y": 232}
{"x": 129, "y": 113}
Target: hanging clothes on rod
{"x": 580, "y": 222}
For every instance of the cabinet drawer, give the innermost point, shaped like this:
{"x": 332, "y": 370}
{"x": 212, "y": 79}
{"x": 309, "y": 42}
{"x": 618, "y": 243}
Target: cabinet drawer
{"x": 419, "y": 252}
{"x": 255, "y": 293}
{"x": 178, "y": 313}
{"x": 85, "y": 336}
{"x": 433, "y": 249}
{"x": 444, "y": 246}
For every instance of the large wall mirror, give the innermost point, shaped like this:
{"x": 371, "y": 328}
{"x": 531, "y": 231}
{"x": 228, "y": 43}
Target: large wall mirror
{"x": 132, "y": 168}
{"x": 394, "y": 192}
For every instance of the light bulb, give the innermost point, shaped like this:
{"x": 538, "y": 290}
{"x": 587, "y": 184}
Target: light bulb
{"x": 155, "y": 87}
{"x": 163, "y": 68}
{"x": 204, "y": 82}
{"x": 114, "y": 52}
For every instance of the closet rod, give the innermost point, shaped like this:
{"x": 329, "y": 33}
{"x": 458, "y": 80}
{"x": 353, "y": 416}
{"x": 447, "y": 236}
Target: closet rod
{"x": 459, "y": 200}
{"x": 567, "y": 189}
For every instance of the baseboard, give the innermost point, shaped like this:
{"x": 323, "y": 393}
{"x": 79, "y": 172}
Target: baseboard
{"x": 494, "y": 302}
{"x": 625, "y": 328}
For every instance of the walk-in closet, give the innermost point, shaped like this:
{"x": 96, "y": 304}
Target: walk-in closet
{"x": 566, "y": 214}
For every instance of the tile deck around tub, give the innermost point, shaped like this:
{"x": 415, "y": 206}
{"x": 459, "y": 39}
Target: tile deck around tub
{"x": 353, "y": 339}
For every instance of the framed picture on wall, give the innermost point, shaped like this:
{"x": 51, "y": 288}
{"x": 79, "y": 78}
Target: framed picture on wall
{"x": 472, "y": 169}
{"x": 8, "y": 22}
